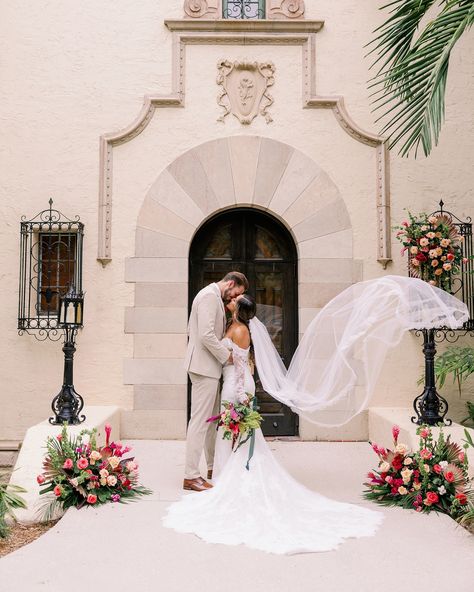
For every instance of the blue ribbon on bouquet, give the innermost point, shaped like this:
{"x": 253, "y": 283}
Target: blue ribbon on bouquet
{"x": 250, "y": 437}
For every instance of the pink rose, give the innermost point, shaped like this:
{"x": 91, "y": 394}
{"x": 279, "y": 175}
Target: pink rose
{"x": 40, "y": 479}
{"x": 91, "y": 498}
{"x": 462, "y": 457}
{"x": 449, "y": 476}
{"x": 57, "y": 491}
{"x": 437, "y": 469}
{"x": 425, "y": 433}
{"x": 462, "y": 498}
{"x": 425, "y": 454}
{"x": 431, "y": 498}
{"x": 450, "y": 257}
{"x": 68, "y": 464}
{"x": 82, "y": 463}
{"x": 59, "y": 437}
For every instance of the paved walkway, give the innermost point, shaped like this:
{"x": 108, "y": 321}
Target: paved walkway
{"x": 124, "y": 548}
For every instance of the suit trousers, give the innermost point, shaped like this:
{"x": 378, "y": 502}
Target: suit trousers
{"x": 205, "y": 402}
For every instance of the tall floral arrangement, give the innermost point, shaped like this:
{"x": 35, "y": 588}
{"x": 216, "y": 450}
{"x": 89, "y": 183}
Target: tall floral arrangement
{"x": 434, "y": 248}
{"x": 434, "y": 477}
{"x": 80, "y": 473}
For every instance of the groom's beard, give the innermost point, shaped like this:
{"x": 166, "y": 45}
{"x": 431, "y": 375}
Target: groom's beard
{"x": 226, "y": 298}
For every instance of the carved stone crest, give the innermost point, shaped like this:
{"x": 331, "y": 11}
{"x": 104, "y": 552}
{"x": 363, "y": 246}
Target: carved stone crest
{"x": 202, "y": 8}
{"x": 289, "y": 9}
{"x": 245, "y": 89}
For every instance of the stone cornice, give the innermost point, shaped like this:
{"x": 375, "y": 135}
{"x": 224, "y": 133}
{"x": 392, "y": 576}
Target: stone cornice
{"x": 244, "y": 26}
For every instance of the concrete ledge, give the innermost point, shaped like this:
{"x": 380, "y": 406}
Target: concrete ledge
{"x": 381, "y": 420}
{"x": 30, "y": 459}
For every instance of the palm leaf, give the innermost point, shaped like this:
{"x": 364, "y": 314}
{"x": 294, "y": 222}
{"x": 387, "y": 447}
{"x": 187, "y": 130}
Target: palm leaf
{"x": 411, "y": 82}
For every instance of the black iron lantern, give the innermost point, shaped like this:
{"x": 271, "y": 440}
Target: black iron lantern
{"x": 71, "y": 309}
{"x": 430, "y": 407}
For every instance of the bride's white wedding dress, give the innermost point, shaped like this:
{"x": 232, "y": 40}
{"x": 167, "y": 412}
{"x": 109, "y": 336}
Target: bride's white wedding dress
{"x": 263, "y": 507}
{"x": 330, "y": 379}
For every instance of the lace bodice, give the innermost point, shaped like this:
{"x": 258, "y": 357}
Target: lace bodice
{"x": 240, "y": 358}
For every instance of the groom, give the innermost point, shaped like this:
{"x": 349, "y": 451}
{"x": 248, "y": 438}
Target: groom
{"x": 205, "y": 357}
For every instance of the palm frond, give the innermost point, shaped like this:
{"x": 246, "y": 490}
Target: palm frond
{"x": 411, "y": 82}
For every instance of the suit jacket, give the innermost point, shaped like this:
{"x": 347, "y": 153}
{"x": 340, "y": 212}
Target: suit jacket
{"x": 205, "y": 354}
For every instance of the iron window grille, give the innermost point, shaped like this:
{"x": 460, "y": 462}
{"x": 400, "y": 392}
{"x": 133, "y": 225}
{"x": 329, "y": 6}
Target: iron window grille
{"x": 50, "y": 264}
{"x": 243, "y": 9}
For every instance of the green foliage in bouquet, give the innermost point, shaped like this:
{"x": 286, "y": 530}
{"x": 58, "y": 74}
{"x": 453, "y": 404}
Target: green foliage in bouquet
{"x": 10, "y": 500}
{"x": 432, "y": 478}
{"x": 80, "y": 473}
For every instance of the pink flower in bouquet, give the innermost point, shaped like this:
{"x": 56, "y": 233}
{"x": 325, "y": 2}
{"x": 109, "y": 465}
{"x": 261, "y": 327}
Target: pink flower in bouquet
{"x": 59, "y": 437}
{"x": 413, "y": 250}
{"x": 114, "y": 462}
{"x": 91, "y": 498}
{"x": 108, "y": 429}
{"x": 425, "y": 433}
{"x": 233, "y": 414}
{"x": 405, "y": 223}
{"x": 388, "y": 479}
{"x": 462, "y": 498}
{"x": 447, "y": 266}
{"x": 462, "y": 456}
{"x": 424, "y": 242}
{"x": 57, "y": 491}
{"x": 82, "y": 463}
{"x": 437, "y": 469}
{"x": 115, "y": 497}
{"x": 430, "y": 235}
{"x": 95, "y": 455}
{"x": 435, "y": 263}
{"x": 450, "y": 257}
{"x": 449, "y": 476}
{"x": 40, "y": 479}
{"x": 397, "y": 463}
{"x": 426, "y": 454}
{"x": 68, "y": 464}
{"x": 395, "y": 432}
{"x": 111, "y": 480}
{"x": 431, "y": 498}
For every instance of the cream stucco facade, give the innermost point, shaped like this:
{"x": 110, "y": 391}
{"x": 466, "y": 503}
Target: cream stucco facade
{"x": 112, "y": 110}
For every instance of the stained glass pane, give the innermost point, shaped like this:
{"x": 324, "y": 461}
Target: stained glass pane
{"x": 243, "y": 9}
{"x": 220, "y": 244}
{"x": 266, "y": 246}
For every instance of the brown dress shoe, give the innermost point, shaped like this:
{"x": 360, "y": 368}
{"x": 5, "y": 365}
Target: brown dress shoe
{"x": 209, "y": 473}
{"x": 198, "y": 484}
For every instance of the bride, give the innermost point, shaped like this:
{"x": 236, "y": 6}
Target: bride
{"x": 330, "y": 379}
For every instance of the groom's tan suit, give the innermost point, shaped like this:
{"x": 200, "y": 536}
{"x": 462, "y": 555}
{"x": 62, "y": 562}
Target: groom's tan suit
{"x": 204, "y": 359}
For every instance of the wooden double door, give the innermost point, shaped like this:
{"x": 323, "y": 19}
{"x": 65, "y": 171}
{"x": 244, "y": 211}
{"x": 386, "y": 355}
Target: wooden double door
{"x": 259, "y": 246}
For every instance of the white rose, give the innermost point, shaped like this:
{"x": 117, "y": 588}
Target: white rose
{"x": 95, "y": 455}
{"x": 442, "y": 490}
{"x": 103, "y": 481}
{"x": 443, "y": 464}
{"x": 406, "y": 475}
{"x": 104, "y": 473}
{"x": 114, "y": 462}
{"x": 384, "y": 467}
{"x": 401, "y": 449}
{"x": 111, "y": 480}
{"x": 408, "y": 461}
{"x": 402, "y": 490}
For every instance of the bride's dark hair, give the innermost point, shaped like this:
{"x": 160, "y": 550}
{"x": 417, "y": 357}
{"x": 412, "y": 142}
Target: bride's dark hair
{"x": 246, "y": 308}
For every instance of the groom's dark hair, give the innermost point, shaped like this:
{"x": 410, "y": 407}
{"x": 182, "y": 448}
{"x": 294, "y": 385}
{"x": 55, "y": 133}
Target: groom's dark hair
{"x": 238, "y": 278}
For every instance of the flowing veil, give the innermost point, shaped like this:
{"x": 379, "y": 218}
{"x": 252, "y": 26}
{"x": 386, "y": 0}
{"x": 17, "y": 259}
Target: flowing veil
{"x": 337, "y": 363}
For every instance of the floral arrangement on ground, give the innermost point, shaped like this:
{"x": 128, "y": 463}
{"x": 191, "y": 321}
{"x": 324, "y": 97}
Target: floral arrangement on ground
{"x": 434, "y": 248}
{"x": 434, "y": 477}
{"x": 80, "y": 473}
{"x": 237, "y": 420}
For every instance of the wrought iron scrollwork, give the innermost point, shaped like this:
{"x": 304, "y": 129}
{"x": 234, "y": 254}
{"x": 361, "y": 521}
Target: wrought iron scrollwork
{"x": 243, "y": 9}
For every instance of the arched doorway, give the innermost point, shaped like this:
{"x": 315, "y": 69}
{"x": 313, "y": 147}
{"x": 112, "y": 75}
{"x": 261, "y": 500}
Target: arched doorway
{"x": 255, "y": 243}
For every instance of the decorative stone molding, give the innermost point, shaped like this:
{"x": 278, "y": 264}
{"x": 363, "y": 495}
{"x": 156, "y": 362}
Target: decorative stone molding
{"x": 290, "y": 9}
{"x": 202, "y": 8}
{"x": 245, "y": 89}
{"x": 256, "y": 32}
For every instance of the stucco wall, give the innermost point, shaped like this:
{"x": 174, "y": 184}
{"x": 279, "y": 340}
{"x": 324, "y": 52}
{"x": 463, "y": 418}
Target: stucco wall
{"x": 72, "y": 72}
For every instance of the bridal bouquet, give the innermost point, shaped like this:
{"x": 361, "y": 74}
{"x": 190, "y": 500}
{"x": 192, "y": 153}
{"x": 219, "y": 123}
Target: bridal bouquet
{"x": 434, "y": 248}
{"x": 81, "y": 473}
{"x": 237, "y": 420}
{"x": 432, "y": 478}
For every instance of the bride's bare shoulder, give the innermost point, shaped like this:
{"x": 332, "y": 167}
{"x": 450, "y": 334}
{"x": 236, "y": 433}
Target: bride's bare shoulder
{"x": 240, "y": 335}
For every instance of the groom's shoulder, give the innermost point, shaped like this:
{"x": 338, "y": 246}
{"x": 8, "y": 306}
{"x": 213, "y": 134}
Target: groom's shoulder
{"x": 208, "y": 291}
